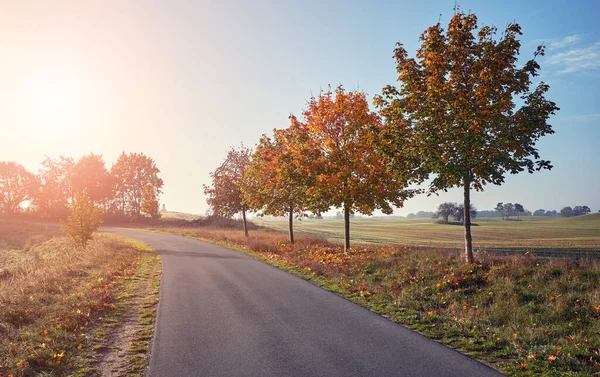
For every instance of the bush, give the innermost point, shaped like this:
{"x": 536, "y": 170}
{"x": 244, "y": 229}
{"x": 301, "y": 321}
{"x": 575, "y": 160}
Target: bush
{"x": 83, "y": 220}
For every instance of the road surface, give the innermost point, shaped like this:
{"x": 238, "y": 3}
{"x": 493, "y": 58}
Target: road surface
{"x": 223, "y": 313}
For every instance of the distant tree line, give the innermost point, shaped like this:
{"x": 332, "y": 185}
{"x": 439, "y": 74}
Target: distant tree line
{"x": 543, "y": 212}
{"x": 575, "y": 211}
{"x": 494, "y": 213}
{"x": 504, "y": 210}
{"x": 129, "y": 189}
{"x": 456, "y": 211}
{"x": 421, "y": 215}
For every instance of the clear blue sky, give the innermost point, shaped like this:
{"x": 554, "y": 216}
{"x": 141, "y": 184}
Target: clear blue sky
{"x": 182, "y": 81}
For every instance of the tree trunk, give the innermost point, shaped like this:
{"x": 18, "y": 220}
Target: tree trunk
{"x": 467, "y": 217}
{"x": 346, "y": 228}
{"x": 291, "y": 224}
{"x": 244, "y": 219}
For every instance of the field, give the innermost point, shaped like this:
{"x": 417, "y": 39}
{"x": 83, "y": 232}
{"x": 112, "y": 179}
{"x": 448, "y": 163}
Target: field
{"x": 63, "y": 309}
{"x": 178, "y": 215}
{"x": 541, "y": 235}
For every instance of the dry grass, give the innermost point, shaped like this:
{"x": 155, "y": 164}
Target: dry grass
{"x": 527, "y": 316}
{"x": 52, "y": 293}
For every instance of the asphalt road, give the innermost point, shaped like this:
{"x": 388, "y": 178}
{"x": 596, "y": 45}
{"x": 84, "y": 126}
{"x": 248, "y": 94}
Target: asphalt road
{"x": 223, "y": 313}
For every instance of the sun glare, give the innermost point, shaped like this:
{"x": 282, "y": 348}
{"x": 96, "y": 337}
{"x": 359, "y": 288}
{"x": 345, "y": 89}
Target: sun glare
{"x": 53, "y": 100}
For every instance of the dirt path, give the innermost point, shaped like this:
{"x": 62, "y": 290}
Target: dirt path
{"x": 124, "y": 348}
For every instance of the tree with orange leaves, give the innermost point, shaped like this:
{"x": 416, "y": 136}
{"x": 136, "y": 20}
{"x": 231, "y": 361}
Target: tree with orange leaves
{"x": 17, "y": 185}
{"x": 457, "y": 99}
{"x": 131, "y": 174}
{"x": 150, "y": 205}
{"x": 281, "y": 172}
{"x": 353, "y": 175}
{"x": 224, "y": 195}
{"x": 90, "y": 176}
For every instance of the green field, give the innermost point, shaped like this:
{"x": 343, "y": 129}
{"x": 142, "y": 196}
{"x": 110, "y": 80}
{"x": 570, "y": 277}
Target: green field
{"x": 491, "y": 234}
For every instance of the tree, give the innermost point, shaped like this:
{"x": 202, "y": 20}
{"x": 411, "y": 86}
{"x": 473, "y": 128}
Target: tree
{"x": 581, "y": 210}
{"x": 459, "y": 213}
{"x": 280, "y": 173}
{"x": 131, "y": 174}
{"x": 445, "y": 210}
{"x": 83, "y": 220}
{"x": 457, "y": 97}
{"x": 150, "y": 205}
{"x": 500, "y": 209}
{"x": 16, "y": 186}
{"x": 55, "y": 192}
{"x": 519, "y": 209}
{"x": 508, "y": 210}
{"x": 224, "y": 195}
{"x": 566, "y": 212}
{"x": 90, "y": 176}
{"x": 539, "y": 212}
{"x": 354, "y": 173}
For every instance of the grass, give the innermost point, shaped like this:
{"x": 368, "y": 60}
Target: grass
{"x": 524, "y": 315}
{"x": 59, "y": 304}
{"x": 532, "y": 233}
{"x": 178, "y": 215}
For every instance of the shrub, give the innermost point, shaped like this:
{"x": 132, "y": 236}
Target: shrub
{"x": 83, "y": 220}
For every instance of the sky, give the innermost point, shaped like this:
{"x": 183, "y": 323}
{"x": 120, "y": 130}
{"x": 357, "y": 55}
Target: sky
{"x": 183, "y": 81}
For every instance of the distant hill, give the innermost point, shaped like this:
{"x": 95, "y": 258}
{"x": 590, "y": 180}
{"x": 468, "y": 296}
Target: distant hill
{"x": 590, "y": 217}
{"x": 179, "y": 215}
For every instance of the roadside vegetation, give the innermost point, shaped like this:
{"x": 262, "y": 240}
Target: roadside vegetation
{"x": 526, "y": 316}
{"x": 61, "y": 305}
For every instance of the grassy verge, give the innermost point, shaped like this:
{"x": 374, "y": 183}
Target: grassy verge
{"x": 525, "y": 316}
{"x": 60, "y": 306}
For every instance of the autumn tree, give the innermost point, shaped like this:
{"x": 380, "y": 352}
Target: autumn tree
{"x": 131, "y": 174}
{"x": 16, "y": 186}
{"x": 90, "y": 176}
{"x": 83, "y": 220}
{"x": 458, "y": 97}
{"x": 55, "y": 191}
{"x": 281, "y": 171}
{"x": 150, "y": 205}
{"x": 224, "y": 195}
{"x": 353, "y": 175}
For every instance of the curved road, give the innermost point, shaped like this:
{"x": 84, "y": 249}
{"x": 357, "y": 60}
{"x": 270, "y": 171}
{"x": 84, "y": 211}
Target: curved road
{"x": 223, "y": 313}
